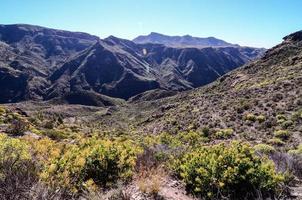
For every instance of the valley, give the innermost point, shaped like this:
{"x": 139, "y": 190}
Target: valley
{"x": 152, "y": 118}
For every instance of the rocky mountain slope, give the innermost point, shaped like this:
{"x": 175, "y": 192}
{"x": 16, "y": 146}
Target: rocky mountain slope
{"x": 45, "y": 63}
{"x": 29, "y": 54}
{"x": 259, "y": 102}
{"x": 248, "y": 118}
{"x": 255, "y": 102}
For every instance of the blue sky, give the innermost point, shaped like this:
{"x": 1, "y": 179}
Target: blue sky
{"x": 259, "y": 23}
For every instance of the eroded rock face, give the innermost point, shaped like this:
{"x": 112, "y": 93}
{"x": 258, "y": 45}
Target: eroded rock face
{"x": 47, "y": 63}
{"x": 13, "y": 85}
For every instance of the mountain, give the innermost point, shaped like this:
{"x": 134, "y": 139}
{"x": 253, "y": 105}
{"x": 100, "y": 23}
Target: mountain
{"x": 253, "y": 102}
{"x": 29, "y": 54}
{"x": 181, "y": 41}
{"x": 39, "y": 63}
{"x": 121, "y": 68}
{"x": 245, "y": 124}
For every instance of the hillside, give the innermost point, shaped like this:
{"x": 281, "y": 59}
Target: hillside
{"x": 254, "y": 101}
{"x": 236, "y": 138}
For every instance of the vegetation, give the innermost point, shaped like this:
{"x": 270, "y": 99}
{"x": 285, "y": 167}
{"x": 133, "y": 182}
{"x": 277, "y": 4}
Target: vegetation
{"x": 232, "y": 170}
{"x": 91, "y": 163}
{"x": 17, "y": 169}
{"x": 264, "y": 148}
{"x": 282, "y": 134}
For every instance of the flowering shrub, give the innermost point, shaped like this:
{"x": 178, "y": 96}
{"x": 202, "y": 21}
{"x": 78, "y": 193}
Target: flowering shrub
{"x": 90, "y": 164}
{"x": 227, "y": 171}
{"x": 17, "y": 170}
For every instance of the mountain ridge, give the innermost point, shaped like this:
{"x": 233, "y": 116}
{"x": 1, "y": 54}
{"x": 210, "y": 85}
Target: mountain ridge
{"x": 49, "y": 63}
{"x": 179, "y": 41}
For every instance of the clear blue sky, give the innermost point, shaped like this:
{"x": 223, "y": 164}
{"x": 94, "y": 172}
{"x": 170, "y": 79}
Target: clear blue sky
{"x": 260, "y": 23}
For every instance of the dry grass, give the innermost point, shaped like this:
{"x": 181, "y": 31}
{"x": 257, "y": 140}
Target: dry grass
{"x": 150, "y": 181}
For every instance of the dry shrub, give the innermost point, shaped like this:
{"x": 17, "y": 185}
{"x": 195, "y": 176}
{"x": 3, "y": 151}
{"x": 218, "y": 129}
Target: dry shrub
{"x": 118, "y": 193}
{"x": 18, "y": 127}
{"x": 150, "y": 181}
{"x": 41, "y": 191}
{"x": 150, "y": 173}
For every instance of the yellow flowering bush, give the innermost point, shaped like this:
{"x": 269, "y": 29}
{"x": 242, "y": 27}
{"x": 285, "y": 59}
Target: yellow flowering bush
{"x": 13, "y": 150}
{"x": 232, "y": 170}
{"x": 17, "y": 170}
{"x": 91, "y": 162}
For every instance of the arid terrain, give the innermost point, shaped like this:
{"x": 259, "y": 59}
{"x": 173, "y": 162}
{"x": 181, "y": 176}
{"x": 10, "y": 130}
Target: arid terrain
{"x": 152, "y": 118}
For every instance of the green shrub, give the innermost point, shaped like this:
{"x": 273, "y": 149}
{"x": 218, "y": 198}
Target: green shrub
{"x": 297, "y": 115}
{"x": 276, "y": 141}
{"x": 281, "y": 117}
{"x": 56, "y": 134}
{"x": 250, "y": 117}
{"x": 264, "y": 148}
{"x": 2, "y": 110}
{"x": 282, "y": 134}
{"x": 92, "y": 162}
{"x": 191, "y": 138}
{"x": 18, "y": 172}
{"x": 231, "y": 171}
{"x": 287, "y": 124}
{"x": 260, "y": 118}
{"x": 206, "y": 131}
{"x": 224, "y": 133}
{"x": 296, "y": 151}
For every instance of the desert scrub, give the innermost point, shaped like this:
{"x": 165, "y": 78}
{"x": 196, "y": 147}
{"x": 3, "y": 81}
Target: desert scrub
{"x": 282, "y": 134}
{"x": 228, "y": 170}
{"x": 56, "y": 134}
{"x": 286, "y": 124}
{"x": 18, "y": 126}
{"x": 250, "y": 117}
{"x": 224, "y": 133}
{"x": 2, "y": 110}
{"x": 191, "y": 138}
{"x": 297, "y": 115}
{"x": 13, "y": 149}
{"x": 297, "y": 151}
{"x": 18, "y": 172}
{"x": 260, "y": 118}
{"x": 276, "y": 141}
{"x": 280, "y": 118}
{"x": 97, "y": 162}
{"x": 264, "y": 148}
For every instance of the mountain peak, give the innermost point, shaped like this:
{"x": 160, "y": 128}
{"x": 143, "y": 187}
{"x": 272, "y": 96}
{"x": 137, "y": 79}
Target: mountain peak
{"x": 297, "y": 36}
{"x": 181, "y": 41}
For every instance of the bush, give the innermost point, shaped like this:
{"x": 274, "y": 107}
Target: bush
{"x": 2, "y": 110}
{"x": 260, "y": 118}
{"x": 206, "y": 131}
{"x": 282, "y": 134}
{"x": 287, "y": 124}
{"x": 18, "y": 127}
{"x": 233, "y": 171}
{"x": 56, "y": 134}
{"x": 250, "y": 117}
{"x": 281, "y": 118}
{"x": 264, "y": 148}
{"x": 92, "y": 162}
{"x": 224, "y": 133}
{"x": 17, "y": 170}
{"x": 297, "y": 115}
{"x": 276, "y": 141}
{"x": 296, "y": 151}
